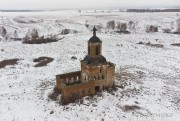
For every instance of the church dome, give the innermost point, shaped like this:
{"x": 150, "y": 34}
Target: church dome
{"x": 94, "y": 38}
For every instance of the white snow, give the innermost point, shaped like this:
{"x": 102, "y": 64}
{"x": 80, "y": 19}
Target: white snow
{"x": 152, "y": 74}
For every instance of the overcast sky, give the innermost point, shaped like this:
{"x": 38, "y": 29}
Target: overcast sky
{"x": 66, "y": 4}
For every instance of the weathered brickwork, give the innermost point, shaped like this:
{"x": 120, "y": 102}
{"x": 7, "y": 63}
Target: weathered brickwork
{"x": 96, "y": 74}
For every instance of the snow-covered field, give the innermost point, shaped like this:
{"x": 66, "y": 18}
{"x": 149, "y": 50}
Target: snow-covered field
{"x": 151, "y": 75}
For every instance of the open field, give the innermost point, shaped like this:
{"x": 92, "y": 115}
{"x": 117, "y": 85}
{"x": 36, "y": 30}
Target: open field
{"x": 150, "y": 75}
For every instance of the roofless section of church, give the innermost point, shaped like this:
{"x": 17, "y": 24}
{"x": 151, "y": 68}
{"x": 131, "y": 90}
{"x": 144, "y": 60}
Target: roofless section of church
{"x": 96, "y": 74}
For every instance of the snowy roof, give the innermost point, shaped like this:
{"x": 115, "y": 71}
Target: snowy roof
{"x": 94, "y": 60}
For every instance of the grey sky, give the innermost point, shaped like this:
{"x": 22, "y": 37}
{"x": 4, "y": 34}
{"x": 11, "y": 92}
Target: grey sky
{"x": 63, "y": 4}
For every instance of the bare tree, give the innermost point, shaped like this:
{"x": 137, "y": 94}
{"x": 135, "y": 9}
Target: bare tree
{"x": 118, "y": 27}
{"x": 121, "y": 26}
{"x": 99, "y": 27}
{"x": 27, "y": 36}
{"x": 131, "y": 25}
{"x": 3, "y": 31}
{"x": 86, "y": 24}
{"x": 15, "y": 34}
{"x": 151, "y": 28}
{"x": 178, "y": 26}
{"x": 34, "y": 34}
{"x": 111, "y": 25}
{"x": 172, "y": 25}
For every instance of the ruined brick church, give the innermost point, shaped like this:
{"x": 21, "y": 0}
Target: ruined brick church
{"x": 96, "y": 74}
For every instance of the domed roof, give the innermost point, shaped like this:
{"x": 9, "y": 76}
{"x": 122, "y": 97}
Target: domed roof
{"x": 94, "y": 38}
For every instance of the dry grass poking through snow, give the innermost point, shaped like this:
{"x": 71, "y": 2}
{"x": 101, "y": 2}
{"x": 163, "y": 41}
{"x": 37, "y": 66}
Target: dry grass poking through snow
{"x": 5, "y": 63}
{"x": 53, "y": 96}
{"x": 151, "y": 45}
{"x": 131, "y": 107}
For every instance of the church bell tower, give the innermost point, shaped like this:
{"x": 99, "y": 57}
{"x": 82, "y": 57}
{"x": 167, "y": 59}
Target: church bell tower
{"x": 94, "y": 45}
{"x": 94, "y": 55}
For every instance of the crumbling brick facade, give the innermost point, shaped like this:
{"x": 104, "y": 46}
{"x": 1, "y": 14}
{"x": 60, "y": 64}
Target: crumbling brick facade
{"x": 96, "y": 74}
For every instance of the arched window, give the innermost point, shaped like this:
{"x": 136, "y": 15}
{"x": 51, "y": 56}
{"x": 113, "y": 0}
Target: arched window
{"x": 72, "y": 79}
{"x": 98, "y": 77}
{"x": 102, "y": 76}
{"x": 77, "y": 78}
{"x": 85, "y": 78}
{"x": 94, "y": 78}
{"x": 67, "y": 80}
{"x": 100, "y": 70}
{"x": 97, "y": 50}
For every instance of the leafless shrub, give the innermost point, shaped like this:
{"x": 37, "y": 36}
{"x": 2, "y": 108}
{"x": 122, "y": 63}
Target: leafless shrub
{"x": 68, "y": 31}
{"x": 140, "y": 42}
{"x": 151, "y": 28}
{"x": 5, "y": 63}
{"x": 131, "y": 25}
{"x": 167, "y": 30}
{"x": 32, "y": 37}
{"x": 53, "y": 96}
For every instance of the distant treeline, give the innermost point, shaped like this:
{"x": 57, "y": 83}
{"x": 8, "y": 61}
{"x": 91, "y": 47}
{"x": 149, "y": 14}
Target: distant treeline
{"x": 153, "y": 10}
{"x": 21, "y": 10}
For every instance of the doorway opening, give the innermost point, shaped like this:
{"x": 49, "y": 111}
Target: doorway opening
{"x": 97, "y": 89}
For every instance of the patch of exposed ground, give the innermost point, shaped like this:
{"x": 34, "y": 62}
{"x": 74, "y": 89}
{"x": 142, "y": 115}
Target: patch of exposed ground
{"x": 8, "y": 62}
{"x": 42, "y": 61}
{"x": 130, "y": 107}
{"x": 176, "y": 44}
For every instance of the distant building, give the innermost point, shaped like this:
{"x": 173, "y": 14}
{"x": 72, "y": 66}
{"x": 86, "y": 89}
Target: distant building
{"x": 96, "y": 74}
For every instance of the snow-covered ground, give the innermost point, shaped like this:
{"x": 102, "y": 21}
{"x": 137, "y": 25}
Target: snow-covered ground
{"x": 151, "y": 75}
